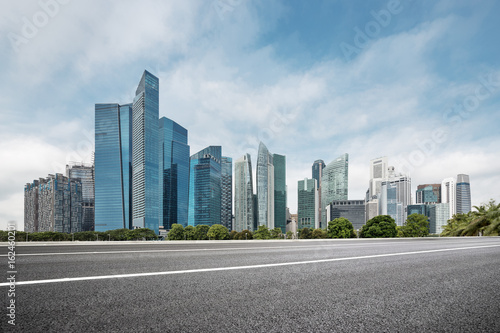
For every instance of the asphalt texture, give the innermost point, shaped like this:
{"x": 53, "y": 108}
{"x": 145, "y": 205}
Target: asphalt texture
{"x": 396, "y": 285}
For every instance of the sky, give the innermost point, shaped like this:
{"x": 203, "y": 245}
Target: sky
{"x": 416, "y": 81}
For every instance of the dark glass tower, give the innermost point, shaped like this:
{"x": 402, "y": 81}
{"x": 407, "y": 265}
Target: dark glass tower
{"x": 174, "y": 173}
{"x": 244, "y": 213}
{"x": 279, "y": 162}
{"x": 205, "y": 187}
{"x": 113, "y": 158}
{"x": 463, "y": 194}
{"x": 226, "y": 213}
{"x": 145, "y": 154}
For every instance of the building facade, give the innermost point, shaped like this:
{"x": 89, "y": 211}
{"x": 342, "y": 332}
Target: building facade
{"x": 113, "y": 167}
{"x": 439, "y": 214}
{"x": 226, "y": 213}
{"x": 428, "y": 193}
{"x": 353, "y": 210}
{"x": 244, "y": 213}
{"x": 174, "y": 173}
{"x": 308, "y": 201}
{"x": 334, "y": 183}
{"x": 463, "y": 194}
{"x": 449, "y": 194}
{"x": 85, "y": 173}
{"x": 395, "y": 196}
{"x": 279, "y": 163}
{"x": 265, "y": 187}
{"x": 317, "y": 174}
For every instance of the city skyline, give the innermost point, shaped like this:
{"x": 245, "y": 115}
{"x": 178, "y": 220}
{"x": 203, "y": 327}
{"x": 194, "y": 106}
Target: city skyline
{"x": 258, "y": 73}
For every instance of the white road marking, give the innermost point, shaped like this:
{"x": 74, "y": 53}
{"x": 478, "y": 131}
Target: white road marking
{"x": 216, "y": 269}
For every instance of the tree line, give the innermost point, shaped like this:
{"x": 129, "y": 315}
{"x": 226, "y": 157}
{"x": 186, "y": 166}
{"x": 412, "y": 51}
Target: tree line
{"x": 483, "y": 221}
{"x": 110, "y": 235}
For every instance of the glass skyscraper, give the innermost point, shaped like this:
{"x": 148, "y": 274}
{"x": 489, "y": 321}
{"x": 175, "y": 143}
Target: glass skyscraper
{"x": 307, "y": 199}
{"x": 317, "y": 173}
{"x": 145, "y": 154}
{"x": 244, "y": 213}
{"x": 174, "y": 173}
{"x": 205, "y": 187}
{"x": 265, "y": 187}
{"x": 334, "y": 184}
{"x": 395, "y": 196}
{"x": 85, "y": 173}
{"x": 113, "y": 166}
{"x": 279, "y": 163}
{"x": 428, "y": 193}
{"x": 463, "y": 194}
{"x": 226, "y": 213}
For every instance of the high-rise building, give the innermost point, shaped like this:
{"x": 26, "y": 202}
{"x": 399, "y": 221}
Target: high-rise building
{"x": 428, "y": 193}
{"x": 205, "y": 187}
{"x": 439, "y": 214}
{"x": 422, "y": 209}
{"x": 317, "y": 173}
{"x": 448, "y": 194}
{"x": 174, "y": 173}
{"x": 226, "y": 213}
{"x": 53, "y": 204}
{"x": 378, "y": 173}
{"x": 353, "y": 210}
{"x": 334, "y": 183}
{"x": 85, "y": 173}
{"x": 279, "y": 163}
{"x": 113, "y": 166}
{"x": 463, "y": 194}
{"x": 395, "y": 196}
{"x": 145, "y": 154}
{"x": 265, "y": 187}
{"x": 244, "y": 213}
{"x": 307, "y": 199}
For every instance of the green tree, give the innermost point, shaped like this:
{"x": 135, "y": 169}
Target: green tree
{"x": 244, "y": 235}
{"x": 379, "y": 226}
{"x": 416, "y": 225}
{"x": 189, "y": 233}
{"x": 340, "y": 228}
{"x": 276, "y": 233}
{"x": 218, "y": 231}
{"x": 176, "y": 232}
{"x": 485, "y": 220}
{"x": 318, "y": 233}
{"x": 457, "y": 224}
{"x": 139, "y": 233}
{"x": 200, "y": 232}
{"x": 289, "y": 235}
{"x": 233, "y": 234}
{"x": 305, "y": 233}
{"x": 119, "y": 234}
{"x": 262, "y": 233}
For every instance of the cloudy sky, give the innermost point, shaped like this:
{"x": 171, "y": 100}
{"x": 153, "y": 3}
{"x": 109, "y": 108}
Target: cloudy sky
{"x": 417, "y": 81}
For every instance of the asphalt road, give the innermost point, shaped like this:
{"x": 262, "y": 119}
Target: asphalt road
{"x": 396, "y": 285}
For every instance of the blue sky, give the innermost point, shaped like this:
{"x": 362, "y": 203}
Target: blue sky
{"x": 422, "y": 85}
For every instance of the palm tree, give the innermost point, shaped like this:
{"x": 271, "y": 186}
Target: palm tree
{"x": 485, "y": 220}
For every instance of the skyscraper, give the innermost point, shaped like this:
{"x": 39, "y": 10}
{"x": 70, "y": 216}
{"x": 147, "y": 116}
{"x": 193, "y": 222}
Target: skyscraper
{"x": 279, "y": 163}
{"x": 378, "y": 173}
{"x": 113, "y": 166}
{"x": 317, "y": 173}
{"x": 448, "y": 194}
{"x": 244, "y": 213}
{"x": 463, "y": 194}
{"x": 85, "y": 173}
{"x": 353, "y": 210}
{"x": 174, "y": 173}
{"x": 334, "y": 184}
{"x": 439, "y": 214}
{"x": 395, "y": 196}
{"x": 428, "y": 193}
{"x": 226, "y": 213}
{"x": 205, "y": 187}
{"x": 145, "y": 150}
{"x": 265, "y": 187}
{"x": 308, "y": 202}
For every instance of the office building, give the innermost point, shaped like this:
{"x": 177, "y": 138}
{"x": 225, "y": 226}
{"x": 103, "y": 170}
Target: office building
{"x": 448, "y": 194}
{"x": 205, "y": 187}
{"x": 265, "y": 187}
{"x": 226, "y": 213}
{"x": 279, "y": 163}
{"x": 353, "y": 210}
{"x": 428, "y": 193}
{"x": 308, "y": 201}
{"x": 85, "y": 173}
{"x": 174, "y": 173}
{"x": 334, "y": 182}
{"x": 244, "y": 213}
{"x": 395, "y": 196}
{"x": 463, "y": 194}
{"x": 439, "y": 214}
{"x": 145, "y": 154}
{"x": 317, "y": 174}
{"x": 422, "y": 209}
{"x": 113, "y": 166}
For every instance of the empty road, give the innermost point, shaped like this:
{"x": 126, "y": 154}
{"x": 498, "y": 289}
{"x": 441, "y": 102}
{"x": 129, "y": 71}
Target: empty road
{"x": 360, "y": 285}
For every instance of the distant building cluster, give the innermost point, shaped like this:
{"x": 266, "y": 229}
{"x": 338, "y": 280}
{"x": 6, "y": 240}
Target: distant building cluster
{"x": 143, "y": 175}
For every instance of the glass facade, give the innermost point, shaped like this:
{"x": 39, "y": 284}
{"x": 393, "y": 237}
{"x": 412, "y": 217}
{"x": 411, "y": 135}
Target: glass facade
{"x": 428, "y": 193}
{"x": 265, "y": 187}
{"x": 227, "y": 192}
{"x": 113, "y": 166}
{"x": 205, "y": 187}
{"x": 317, "y": 173}
{"x": 334, "y": 183}
{"x": 279, "y": 163}
{"x": 145, "y": 154}
{"x": 353, "y": 210}
{"x": 395, "y": 196}
{"x": 307, "y": 199}
{"x": 174, "y": 173}
{"x": 244, "y": 213}
{"x": 85, "y": 173}
{"x": 439, "y": 214}
{"x": 463, "y": 194}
